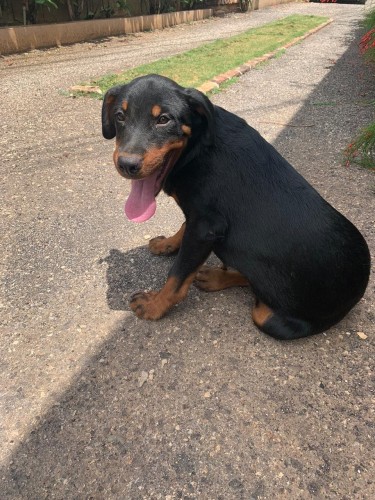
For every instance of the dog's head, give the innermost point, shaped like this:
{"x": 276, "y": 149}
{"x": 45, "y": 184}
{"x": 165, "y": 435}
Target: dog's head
{"x": 153, "y": 119}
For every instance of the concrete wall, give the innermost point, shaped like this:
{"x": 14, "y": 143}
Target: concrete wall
{"x": 23, "y": 38}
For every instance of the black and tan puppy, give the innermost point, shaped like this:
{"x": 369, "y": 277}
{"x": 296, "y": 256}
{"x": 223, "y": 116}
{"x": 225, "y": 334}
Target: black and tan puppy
{"x": 305, "y": 262}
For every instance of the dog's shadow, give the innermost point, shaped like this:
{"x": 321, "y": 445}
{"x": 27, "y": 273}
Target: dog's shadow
{"x": 136, "y": 270}
{"x": 133, "y": 271}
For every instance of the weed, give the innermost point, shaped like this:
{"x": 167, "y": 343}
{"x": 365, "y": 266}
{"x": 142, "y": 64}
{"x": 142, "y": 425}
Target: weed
{"x": 362, "y": 150}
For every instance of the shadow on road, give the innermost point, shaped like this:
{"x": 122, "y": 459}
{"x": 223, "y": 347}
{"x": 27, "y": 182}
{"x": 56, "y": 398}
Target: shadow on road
{"x": 129, "y": 272}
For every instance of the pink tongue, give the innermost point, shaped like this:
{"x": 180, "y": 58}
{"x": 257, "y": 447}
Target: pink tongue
{"x": 141, "y": 204}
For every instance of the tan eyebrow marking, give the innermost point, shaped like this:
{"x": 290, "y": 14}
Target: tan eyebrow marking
{"x": 186, "y": 129}
{"x": 124, "y": 105}
{"x": 156, "y": 110}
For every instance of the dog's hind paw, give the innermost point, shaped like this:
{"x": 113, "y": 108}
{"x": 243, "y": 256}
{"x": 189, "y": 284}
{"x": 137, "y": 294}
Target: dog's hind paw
{"x": 213, "y": 279}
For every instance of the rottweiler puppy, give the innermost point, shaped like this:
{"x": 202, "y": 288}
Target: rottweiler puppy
{"x": 305, "y": 262}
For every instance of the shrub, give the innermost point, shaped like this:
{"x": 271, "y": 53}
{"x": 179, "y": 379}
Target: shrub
{"x": 362, "y": 150}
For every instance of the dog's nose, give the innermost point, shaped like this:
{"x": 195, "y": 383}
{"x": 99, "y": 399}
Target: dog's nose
{"x": 129, "y": 165}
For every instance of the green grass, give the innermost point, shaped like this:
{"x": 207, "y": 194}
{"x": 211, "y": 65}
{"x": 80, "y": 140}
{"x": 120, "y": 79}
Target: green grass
{"x": 362, "y": 150}
{"x": 194, "y": 67}
{"x": 224, "y": 85}
{"x": 369, "y": 19}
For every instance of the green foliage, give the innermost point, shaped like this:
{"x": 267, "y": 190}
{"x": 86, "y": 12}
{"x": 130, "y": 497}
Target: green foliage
{"x": 46, "y": 3}
{"x": 369, "y": 20}
{"x": 161, "y": 6}
{"x": 122, "y": 5}
{"x": 33, "y": 7}
{"x": 367, "y": 43}
{"x": 191, "y": 4}
{"x": 362, "y": 150}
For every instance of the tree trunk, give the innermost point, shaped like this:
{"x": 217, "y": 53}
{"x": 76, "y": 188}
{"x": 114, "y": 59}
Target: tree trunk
{"x": 70, "y": 10}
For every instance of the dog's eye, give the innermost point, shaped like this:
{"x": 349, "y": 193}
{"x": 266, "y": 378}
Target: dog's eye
{"x": 163, "y": 119}
{"x": 120, "y": 117}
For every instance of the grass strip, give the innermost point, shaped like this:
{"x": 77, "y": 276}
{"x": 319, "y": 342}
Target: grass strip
{"x": 196, "y": 66}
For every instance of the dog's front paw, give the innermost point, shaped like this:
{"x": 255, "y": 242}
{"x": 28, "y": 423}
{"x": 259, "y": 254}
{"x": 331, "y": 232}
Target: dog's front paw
{"x": 145, "y": 305}
{"x": 162, "y": 246}
{"x": 157, "y": 245}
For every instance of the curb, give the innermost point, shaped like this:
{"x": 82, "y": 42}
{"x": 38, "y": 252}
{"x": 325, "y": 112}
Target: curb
{"x": 215, "y": 82}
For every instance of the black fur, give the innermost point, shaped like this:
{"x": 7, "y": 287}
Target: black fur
{"x": 243, "y": 201}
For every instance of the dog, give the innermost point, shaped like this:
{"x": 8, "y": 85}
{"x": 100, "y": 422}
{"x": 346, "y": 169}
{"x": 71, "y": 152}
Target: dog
{"x": 306, "y": 264}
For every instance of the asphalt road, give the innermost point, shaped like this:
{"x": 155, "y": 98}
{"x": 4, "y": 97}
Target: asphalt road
{"x": 95, "y": 403}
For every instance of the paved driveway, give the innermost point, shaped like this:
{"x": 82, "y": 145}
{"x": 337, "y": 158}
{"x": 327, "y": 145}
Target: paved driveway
{"x": 226, "y": 412}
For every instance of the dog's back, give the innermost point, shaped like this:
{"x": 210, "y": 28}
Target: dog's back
{"x": 307, "y": 264}
{"x": 300, "y": 255}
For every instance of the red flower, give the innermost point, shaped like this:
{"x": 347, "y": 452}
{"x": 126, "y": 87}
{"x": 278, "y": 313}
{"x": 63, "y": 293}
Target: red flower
{"x": 367, "y": 41}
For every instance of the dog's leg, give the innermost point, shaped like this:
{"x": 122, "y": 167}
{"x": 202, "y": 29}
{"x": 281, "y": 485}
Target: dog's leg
{"x": 261, "y": 313}
{"x": 154, "y": 305}
{"x": 212, "y": 279}
{"x": 197, "y": 243}
{"x": 280, "y": 327}
{"x": 167, "y": 246}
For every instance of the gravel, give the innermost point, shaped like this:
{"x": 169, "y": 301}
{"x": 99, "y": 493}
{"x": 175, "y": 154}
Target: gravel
{"x": 223, "y": 411}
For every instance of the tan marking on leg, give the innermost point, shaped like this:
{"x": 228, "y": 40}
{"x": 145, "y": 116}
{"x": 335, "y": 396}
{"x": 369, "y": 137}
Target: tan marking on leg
{"x": 154, "y": 305}
{"x": 156, "y": 110}
{"x": 212, "y": 279}
{"x": 166, "y": 246}
{"x": 124, "y": 105}
{"x": 261, "y": 313}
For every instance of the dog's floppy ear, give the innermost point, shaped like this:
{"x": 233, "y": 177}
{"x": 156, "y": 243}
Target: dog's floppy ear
{"x": 203, "y": 106}
{"x": 108, "y": 119}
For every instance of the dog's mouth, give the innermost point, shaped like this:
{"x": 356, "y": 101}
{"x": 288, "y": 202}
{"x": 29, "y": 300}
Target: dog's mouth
{"x": 141, "y": 203}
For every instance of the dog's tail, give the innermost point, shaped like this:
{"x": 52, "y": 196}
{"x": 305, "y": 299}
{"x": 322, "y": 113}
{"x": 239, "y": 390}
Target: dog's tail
{"x": 287, "y": 328}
